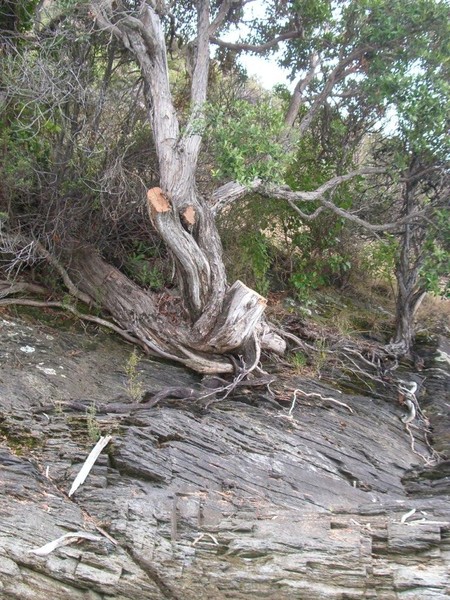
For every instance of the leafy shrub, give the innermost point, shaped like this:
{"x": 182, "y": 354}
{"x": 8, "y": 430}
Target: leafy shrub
{"x": 245, "y": 141}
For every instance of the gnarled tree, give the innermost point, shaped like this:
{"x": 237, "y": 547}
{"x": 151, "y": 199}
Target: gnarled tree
{"x": 332, "y": 49}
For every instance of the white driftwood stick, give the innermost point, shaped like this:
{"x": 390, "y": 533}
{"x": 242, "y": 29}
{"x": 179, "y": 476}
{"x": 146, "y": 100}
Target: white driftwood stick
{"x": 312, "y": 394}
{"x": 89, "y": 463}
{"x": 64, "y": 540}
{"x": 407, "y": 515}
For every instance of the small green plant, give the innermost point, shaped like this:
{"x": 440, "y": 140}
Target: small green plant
{"x": 299, "y": 361}
{"x": 140, "y": 269}
{"x": 134, "y": 386}
{"x": 305, "y": 282}
{"x": 93, "y": 428}
{"x": 151, "y": 277}
{"x": 321, "y": 357}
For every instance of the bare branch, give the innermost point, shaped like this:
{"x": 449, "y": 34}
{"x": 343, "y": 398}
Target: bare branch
{"x": 256, "y": 48}
{"x": 344, "y": 67}
{"x": 192, "y": 138}
{"x": 25, "y": 250}
{"x": 222, "y": 14}
{"x": 284, "y": 193}
{"x": 7, "y": 288}
{"x": 230, "y": 192}
{"x": 74, "y": 291}
{"x": 106, "y": 25}
{"x": 200, "y": 74}
{"x": 297, "y": 96}
{"x": 74, "y": 311}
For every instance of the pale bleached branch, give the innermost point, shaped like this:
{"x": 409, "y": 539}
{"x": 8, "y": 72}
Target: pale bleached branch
{"x": 233, "y": 191}
{"x": 89, "y": 463}
{"x": 318, "y": 195}
{"x": 297, "y": 99}
{"x": 74, "y": 291}
{"x": 74, "y": 311}
{"x": 24, "y": 249}
{"x": 105, "y": 24}
{"x": 222, "y": 14}
{"x": 192, "y": 138}
{"x": 8, "y": 288}
{"x": 64, "y": 540}
{"x": 345, "y": 66}
{"x": 200, "y": 74}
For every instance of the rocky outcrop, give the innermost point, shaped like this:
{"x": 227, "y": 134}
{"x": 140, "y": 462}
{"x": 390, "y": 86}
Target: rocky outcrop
{"x": 237, "y": 500}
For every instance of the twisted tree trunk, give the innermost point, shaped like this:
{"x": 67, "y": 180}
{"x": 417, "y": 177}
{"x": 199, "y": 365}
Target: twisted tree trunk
{"x": 409, "y": 263}
{"x": 234, "y": 330}
{"x": 218, "y": 320}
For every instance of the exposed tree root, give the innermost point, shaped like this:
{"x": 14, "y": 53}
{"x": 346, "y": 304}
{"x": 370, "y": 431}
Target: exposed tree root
{"x": 317, "y": 395}
{"x": 433, "y": 457}
{"x": 8, "y": 288}
{"x": 78, "y": 314}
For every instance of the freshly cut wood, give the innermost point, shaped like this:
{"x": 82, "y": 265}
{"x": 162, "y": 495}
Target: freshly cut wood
{"x": 189, "y": 215}
{"x": 158, "y": 202}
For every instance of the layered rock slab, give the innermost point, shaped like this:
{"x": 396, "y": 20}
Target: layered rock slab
{"x": 239, "y": 500}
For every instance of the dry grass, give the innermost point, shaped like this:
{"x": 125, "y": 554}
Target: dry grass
{"x": 434, "y": 315}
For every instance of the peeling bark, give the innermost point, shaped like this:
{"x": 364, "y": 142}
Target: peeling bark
{"x": 220, "y": 320}
{"x": 174, "y": 337}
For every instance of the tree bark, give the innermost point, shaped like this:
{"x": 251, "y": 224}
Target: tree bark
{"x": 220, "y": 320}
{"x": 406, "y": 308}
{"x": 409, "y": 263}
{"x": 166, "y": 333}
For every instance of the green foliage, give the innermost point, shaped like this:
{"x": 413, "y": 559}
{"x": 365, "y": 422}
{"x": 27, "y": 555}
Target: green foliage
{"x": 94, "y": 431}
{"x": 134, "y": 385}
{"x": 245, "y": 141}
{"x": 434, "y": 275}
{"x": 78, "y": 150}
{"x": 299, "y": 361}
{"x": 379, "y": 256}
{"x": 255, "y": 253}
{"x": 248, "y": 250}
{"x": 139, "y": 266}
{"x": 304, "y": 281}
{"x": 16, "y": 16}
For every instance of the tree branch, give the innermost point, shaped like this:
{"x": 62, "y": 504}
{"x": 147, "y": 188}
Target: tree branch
{"x": 191, "y": 138}
{"x": 256, "y": 48}
{"x": 318, "y": 196}
{"x": 286, "y": 193}
{"x": 105, "y": 24}
{"x": 233, "y": 191}
{"x": 7, "y": 288}
{"x": 297, "y": 96}
{"x": 338, "y": 73}
{"x": 74, "y": 311}
{"x": 12, "y": 244}
{"x": 224, "y": 9}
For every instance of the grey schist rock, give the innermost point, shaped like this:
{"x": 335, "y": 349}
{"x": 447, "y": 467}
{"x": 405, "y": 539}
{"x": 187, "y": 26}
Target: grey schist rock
{"x": 235, "y": 501}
